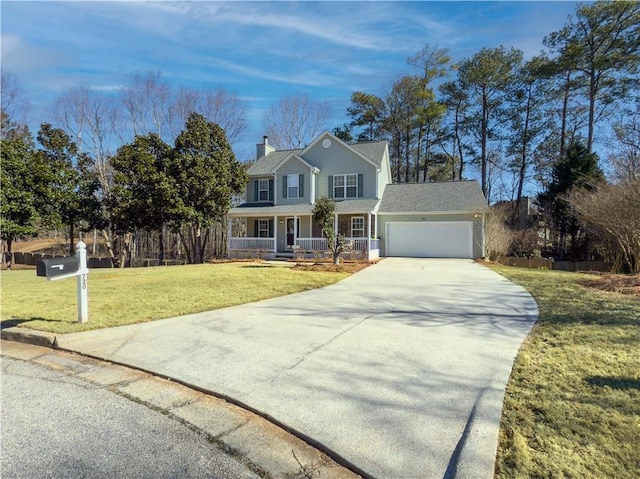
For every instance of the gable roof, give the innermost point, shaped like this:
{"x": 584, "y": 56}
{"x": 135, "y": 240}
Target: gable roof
{"x": 293, "y": 155}
{"x": 373, "y": 152}
{"x": 266, "y": 164}
{"x": 439, "y": 197}
{"x": 327, "y": 134}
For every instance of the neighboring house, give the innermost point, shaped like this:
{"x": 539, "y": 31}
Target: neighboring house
{"x": 376, "y": 217}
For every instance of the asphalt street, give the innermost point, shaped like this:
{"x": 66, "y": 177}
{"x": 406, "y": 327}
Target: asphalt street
{"x": 58, "y": 426}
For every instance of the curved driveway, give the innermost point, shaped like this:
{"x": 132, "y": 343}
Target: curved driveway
{"x": 399, "y": 369}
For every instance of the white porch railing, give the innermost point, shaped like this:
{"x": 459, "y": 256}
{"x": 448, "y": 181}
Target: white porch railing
{"x": 355, "y": 244}
{"x": 312, "y": 244}
{"x": 252, "y": 244}
{"x": 320, "y": 244}
{"x": 301, "y": 244}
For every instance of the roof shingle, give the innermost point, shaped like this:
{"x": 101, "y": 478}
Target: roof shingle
{"x": 440, "y": 197}
{"x": 374, "y": 151}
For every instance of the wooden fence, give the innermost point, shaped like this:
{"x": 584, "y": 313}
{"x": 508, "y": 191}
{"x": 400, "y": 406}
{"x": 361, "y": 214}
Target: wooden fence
{"x": 93, "y": 263}
{"x": 544, "y": 263}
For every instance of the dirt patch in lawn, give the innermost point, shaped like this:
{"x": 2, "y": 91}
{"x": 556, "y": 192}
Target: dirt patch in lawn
{"x": 330, "y": 267}
{"x": 618, "y": 283}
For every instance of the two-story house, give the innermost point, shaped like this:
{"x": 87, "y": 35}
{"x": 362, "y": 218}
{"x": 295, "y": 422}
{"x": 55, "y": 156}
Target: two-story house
{"x": 376, "y": 217}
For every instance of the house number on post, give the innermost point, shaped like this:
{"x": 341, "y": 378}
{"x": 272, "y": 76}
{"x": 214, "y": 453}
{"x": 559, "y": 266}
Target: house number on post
{"x": 62, "y": 268}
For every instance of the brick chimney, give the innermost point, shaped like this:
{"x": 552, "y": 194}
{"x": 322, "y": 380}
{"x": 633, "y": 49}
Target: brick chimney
{"x": 264, "y": 148}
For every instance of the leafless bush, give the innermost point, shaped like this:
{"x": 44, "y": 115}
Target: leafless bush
{"x": 498, "y": 236}
{"x": 612, "y": 213}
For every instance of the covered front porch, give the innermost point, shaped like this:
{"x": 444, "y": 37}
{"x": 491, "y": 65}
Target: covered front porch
{"x": 257, "y": 234}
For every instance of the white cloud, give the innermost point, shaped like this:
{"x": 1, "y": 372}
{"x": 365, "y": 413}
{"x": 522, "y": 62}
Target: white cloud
{"x": 20, "y": 57}
{"x": 347, "y": 25}
{"x": 305, "y": 77}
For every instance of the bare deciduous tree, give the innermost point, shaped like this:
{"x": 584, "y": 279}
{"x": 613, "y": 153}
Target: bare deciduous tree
{"x": 14, "y": 108}
{"x": 625, "y": 155}
{"x": 295, "y": 121}
{"x": 146, "y": 98}
{"x": 612, "y": 212}
{"x": 227, "y": 110}
{"x": 92, "y": 120}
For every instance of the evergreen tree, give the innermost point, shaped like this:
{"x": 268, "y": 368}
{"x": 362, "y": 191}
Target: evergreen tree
{"x": 578, "y": 169}
{"x": 68, "y": 196}
{"x": 207, "y": 176}
{"x": 18, "y": 202}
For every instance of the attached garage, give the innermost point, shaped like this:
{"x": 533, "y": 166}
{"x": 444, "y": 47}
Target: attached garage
{"x": 432, "y": 220}
{"x": 430, "y": 239}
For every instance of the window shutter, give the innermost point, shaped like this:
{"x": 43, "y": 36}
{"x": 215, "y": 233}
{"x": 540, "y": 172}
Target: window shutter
{"x": 284, "y": 186}
{"x": 270, "y": 190}
{"x": 360, "y": 185}
{"x": 331, "y": 186}
{"x": 300, "y": 186}
{"x": 255, "y": 228}
{"x": 270, "y": 228}
{"x": 255, "y": 191}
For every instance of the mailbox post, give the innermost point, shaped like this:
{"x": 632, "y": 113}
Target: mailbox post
{"x": 83, "y": 272}
{"x": 68, "y": 267}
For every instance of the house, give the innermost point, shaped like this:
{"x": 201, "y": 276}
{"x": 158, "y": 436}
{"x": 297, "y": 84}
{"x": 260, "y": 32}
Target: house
{"x": 377, "y": 218}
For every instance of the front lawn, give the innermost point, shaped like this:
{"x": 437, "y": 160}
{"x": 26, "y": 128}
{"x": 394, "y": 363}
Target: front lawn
{"x": 126, "y": 296}
{"x": 572, "y": 407}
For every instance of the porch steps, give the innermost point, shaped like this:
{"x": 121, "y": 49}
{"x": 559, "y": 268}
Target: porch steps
{"x": 283, "y": 256}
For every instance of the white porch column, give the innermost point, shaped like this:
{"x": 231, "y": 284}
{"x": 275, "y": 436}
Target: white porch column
{"x": 295, "y": 230}
{"x": 369, "y": 231}
{"x": 229, "y": 232}
{"x": 275, "y": 234}
{"x": 483, "y": 236}
{"x": 312, "y": 188}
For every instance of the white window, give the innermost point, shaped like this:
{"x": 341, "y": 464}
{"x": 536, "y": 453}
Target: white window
{"x": 345, "y": 186}
{"x": 338, "y": 186}
{"x": 292, "y": 186}
{"x": 263, "y": 228}
{"x": 352, "y": 186}
{"x": 357, "y": 226}
{"x": 263, "y": 190}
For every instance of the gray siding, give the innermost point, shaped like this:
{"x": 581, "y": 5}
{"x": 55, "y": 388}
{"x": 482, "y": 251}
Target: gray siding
{"x": 337, "y": 160}
{"x": 477, "y": 227}
{"x": 293, "y": 167}
{"x": 384, "y": 177}
{"x": 251, "y": 188}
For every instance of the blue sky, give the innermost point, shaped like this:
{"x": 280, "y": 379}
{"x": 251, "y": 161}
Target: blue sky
{"x": 261, "y": 51}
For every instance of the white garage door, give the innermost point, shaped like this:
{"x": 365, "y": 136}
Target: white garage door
{"x": 430, "y": 239}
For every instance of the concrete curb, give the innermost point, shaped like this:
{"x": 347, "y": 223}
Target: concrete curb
{"x": 264, "y": 447}
{"x": 29, "y": 336}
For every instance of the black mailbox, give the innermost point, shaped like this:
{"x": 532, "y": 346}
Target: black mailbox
{"x": 51, "y": 268}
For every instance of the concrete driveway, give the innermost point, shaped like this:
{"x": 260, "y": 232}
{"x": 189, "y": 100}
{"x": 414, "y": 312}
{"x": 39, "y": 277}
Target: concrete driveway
{"x": 399, "y": 370}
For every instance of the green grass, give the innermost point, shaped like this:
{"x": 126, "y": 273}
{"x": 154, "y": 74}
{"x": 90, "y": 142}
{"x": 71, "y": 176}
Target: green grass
{"x": 572, "y": 407}
{"x": 118, "y": 297}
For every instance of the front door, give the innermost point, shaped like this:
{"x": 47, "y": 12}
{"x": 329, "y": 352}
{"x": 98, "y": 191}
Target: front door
{"x": 291, "y": 232}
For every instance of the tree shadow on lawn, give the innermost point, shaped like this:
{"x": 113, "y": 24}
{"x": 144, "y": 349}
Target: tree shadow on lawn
{"x": 588, "y": 313}
{"x": 11, "y": 323}
{"x": 614, "y": 382}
